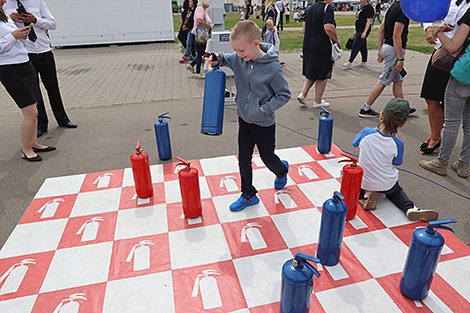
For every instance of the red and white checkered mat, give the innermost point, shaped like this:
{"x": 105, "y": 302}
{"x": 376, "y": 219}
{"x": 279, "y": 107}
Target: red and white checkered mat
{"x": 88, "y": 244}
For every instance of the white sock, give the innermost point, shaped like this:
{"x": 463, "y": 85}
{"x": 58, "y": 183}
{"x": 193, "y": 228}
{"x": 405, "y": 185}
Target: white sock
{"x": 366, "y": 107}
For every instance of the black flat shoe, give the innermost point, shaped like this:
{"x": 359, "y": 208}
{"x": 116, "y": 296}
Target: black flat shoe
{"x": 68, "y": 125}
{"x": 424, "y": 145}
{"x": 37, "y": 158}
{"x": 46, "y": 149}
{"x": 431, "y": 150}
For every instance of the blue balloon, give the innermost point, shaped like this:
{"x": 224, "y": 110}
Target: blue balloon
{"x": 425, "y": 11}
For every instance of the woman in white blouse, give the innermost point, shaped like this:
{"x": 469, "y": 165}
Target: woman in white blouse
{"x": 19, "y": 78}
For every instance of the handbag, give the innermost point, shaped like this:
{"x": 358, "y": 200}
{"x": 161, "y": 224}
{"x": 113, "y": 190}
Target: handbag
{"x": 202, "y": 34}
{"x": 461, "y": 69}
{"x": 349, "y": 43}
{"x": 444, "y": 60}
{"x": 336, "y": 51}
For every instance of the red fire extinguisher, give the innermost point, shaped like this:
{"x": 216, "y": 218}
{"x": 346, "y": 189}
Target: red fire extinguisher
{"x": 141, "y": 171}
{"x": 190, "y": 192}
{"x": 351, "y": 185}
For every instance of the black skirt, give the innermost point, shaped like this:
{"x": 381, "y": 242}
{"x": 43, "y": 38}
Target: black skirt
{"x": 434, "y": 83}
{"x": 21, "y": 82}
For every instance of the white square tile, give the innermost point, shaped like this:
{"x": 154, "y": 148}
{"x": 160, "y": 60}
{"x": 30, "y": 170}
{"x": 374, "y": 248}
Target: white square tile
{"x": 95, "y": 202}
{"x": 365, "y": 296}
{"x": 392, "y": 250}
{"x": 156, "y": 171}
{"x": 389, "y": 214}
{"x": 453, "y": 272}
{"x": 320, "y": 191}
{"x": 144, "y": 294}
{"x": 139, "y": 222}
{"x": 260, "y": 276}
{"x": 299, "y": 228}
{"x": 294, "y": 155}
{"x": 198, "y": 246}
{"x": 33, "y": 238}
{"x": 264, "y": 179}
{"x": 78, "y": 266}
{"x": 220, "y": 165}
{"x": 173, "y": 191}
{"x": 59, "y": 186}
{"x": 18, "y": 305}
{"x": 222, "y": 204}
{"x": 332, "y": 166}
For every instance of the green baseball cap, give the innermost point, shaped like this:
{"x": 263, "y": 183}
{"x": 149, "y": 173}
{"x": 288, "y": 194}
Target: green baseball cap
{"x": 398, "y": 108}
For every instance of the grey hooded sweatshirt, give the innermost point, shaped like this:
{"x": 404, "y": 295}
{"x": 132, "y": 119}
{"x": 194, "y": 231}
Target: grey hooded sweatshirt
{"x": 259, "y": 84}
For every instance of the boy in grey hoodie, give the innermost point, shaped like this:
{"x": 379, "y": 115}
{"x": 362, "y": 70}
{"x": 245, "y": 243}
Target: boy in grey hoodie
{"x": 261, "y": 90}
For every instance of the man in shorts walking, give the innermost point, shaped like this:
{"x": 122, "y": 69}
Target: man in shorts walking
{"x": 392, "y": 38}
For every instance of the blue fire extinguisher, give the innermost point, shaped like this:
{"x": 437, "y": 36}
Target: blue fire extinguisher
{"x": 333, "y": 219}
{"x": 421, "y": 261}
{"x": 325, "y": 131}
{"x": 214, "y": 100}
{"x": 163, "y": 137}
{"x": 297, "y": 284}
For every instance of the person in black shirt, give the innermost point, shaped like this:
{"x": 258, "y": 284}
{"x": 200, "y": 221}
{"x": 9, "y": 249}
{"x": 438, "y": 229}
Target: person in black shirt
{"x": 363, "y": 22}
{"x": 392, "y": 38}
{"x": 377, "y": 13}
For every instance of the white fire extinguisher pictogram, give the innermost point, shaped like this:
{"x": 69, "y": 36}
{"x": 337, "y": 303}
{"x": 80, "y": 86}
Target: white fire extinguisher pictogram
{"x": 286, "y": 200}
{"x": 209, "y": 290}
{"x": 103, "y": 180}
{"x": 90, "y": 229}
{"x": 254, "y": 236}
{"x": 70, "y": 305}
{"x": 307, "y": 171}
{"x": 141, "y": 254}
{"x": 49, "y": 209}
{"x": 178, "y": 168}
{"x": 14, "y": 276}
{"x": 229, "y": 183}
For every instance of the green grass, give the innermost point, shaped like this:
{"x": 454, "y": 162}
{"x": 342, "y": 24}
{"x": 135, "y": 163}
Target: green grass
{"x": 291, "y": 41}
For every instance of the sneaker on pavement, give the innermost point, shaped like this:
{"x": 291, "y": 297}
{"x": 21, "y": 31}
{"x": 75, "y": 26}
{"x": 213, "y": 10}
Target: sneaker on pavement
{"x": 346, "y": 65}
{"x": 462, "y": 170}
{"x": 412, "y": 111}
{"x": 183, "y": 59}
{"x": 280, "y": 183}
{"x": 434, "y": 166}
{"x": 200, "y": 75}
{"x": 301, "y": 99}
{"x": 322, "y": 104}
{"x": 368, "y": 114}
{"x": 363, "y": 65}
{"x": 426, "y": 215}
{"x": 371, "y": 202}
{"x": 190, "y": 68}
{"x": 243, "y": 202}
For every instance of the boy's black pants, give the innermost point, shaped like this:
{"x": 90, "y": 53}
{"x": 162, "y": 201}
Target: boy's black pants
{"x": 265, "y": 140}
{"x": 397, "y": 195}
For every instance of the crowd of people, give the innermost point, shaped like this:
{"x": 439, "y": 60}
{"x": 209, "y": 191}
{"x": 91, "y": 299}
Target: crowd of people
{"x": 448, "y": 98}
{"x": 25, "y": 55}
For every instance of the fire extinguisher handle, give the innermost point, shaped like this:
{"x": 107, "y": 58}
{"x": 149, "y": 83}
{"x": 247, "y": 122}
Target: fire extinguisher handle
{"x": 350, "y": 158}
{"x": 138, "y": 148}
{"x": 183, "y": 162}
{"x": 325, "y": 111}
{"x": 164, "y": 115}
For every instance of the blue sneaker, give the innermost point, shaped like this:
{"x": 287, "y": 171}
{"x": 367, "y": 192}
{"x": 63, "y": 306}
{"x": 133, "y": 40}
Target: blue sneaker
{"x": 280, "y": 183}
{"x": 243, "y": 202}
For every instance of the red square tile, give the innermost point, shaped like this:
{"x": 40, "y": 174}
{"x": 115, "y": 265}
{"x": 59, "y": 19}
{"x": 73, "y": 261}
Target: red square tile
{"x": 102, "y": 180}
{"x": 140, "y": 256}
{"x": 90, "y": 229}
{"x": 312, "y": 150}
{"x": 177, "y": 220}
{"x": 81, "y": 299}
{"x": 308, "y": 172}
{"x": 129, "y": 199}
{"x": 368, "y": 218}
{"x": 45, "y": 209}
{"x": 291, "y": 198}
{"x": 213, "y": 287}
{"x": 23, "y": 275}
{"x": 170, "y": 170}
{"x": 220, "y": 185}
{"x": 252, "y": 237}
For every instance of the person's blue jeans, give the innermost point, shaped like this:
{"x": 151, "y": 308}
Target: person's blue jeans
{"x": 200, "y": 50}
{"x": 189, "y": 44}
{"x": 376, "y": 16}
{"x": 359, "y": 45}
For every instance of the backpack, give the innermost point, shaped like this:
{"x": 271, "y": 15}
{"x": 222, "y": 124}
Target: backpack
{"x": 461, "y": 69}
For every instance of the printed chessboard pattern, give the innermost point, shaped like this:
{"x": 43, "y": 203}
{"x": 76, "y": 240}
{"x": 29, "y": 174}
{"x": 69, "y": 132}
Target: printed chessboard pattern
{"x": 88, "y": 244}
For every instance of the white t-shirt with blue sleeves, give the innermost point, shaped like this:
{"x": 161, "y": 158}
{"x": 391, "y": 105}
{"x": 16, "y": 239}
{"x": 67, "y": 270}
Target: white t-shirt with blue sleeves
{"x": 377, "y": 156}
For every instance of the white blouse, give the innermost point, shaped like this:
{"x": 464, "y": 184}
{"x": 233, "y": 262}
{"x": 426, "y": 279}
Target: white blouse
{"x": 12, "y": 51}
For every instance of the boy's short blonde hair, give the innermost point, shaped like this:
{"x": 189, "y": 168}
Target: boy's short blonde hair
{"x": 204, "y": 2}
{"x": 247, "y": 30}
{"x": 269, "y": 23}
